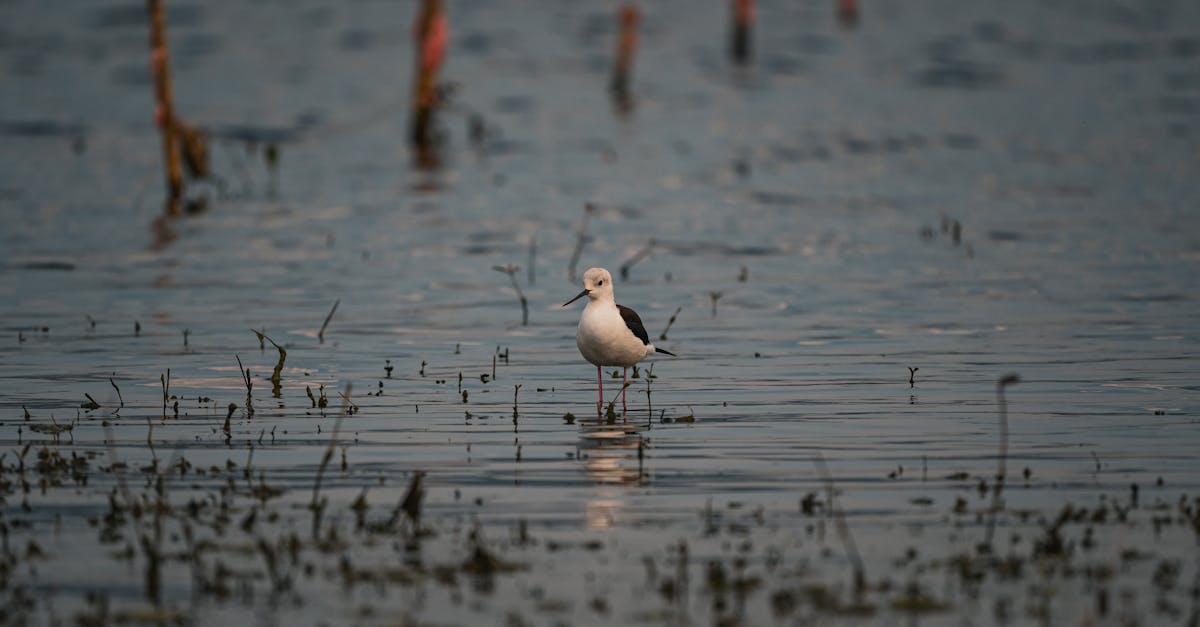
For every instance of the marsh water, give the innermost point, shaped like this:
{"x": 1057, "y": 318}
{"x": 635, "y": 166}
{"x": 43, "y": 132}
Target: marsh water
{"x": 967, "y": 190}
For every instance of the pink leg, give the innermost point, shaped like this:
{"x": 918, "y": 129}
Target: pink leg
{"x": 600, "y": 387}
{"x": 625, "y": 384}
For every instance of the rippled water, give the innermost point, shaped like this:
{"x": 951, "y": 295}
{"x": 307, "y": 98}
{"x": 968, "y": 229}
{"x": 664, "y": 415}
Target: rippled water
{"x": 818, "y": 191}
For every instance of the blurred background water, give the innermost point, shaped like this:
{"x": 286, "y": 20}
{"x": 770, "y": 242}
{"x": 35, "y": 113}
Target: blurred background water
{"x": 958, "y": 187}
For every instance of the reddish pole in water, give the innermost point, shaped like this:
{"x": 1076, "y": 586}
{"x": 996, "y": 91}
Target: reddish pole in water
{"x": 164, "y": 113}
{"x": 431, "y": 35}
{"x": 628, "y": 19}
{"x": 743, "y": 25}
{"x": 847, "y": 12}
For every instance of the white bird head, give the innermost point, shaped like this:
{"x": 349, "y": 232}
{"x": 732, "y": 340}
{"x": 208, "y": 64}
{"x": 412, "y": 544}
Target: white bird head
{"x": 597, "y": 285}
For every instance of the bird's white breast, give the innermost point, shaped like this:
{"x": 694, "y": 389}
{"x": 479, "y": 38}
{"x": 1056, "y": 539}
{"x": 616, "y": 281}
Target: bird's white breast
{"x": 605, "y": 340}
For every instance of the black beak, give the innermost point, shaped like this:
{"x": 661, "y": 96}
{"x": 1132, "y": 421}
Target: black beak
{"x": 577, "y": 297}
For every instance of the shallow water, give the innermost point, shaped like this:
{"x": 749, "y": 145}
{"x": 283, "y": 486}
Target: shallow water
{"x": 1059, "y": 139}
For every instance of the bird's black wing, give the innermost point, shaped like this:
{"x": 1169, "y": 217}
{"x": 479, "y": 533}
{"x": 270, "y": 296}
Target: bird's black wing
{"x": 634, "y": 323}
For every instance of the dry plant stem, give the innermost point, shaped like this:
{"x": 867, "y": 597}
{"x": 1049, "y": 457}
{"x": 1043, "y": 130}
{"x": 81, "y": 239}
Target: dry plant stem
{"x": 119, "y": 398}
{"x": 843, "y": 530}
{"x": 165, "y": 113}
{"x": 580, "y": 240}
{"x": 663, "y": 336}
{"x": 249, "y": 386}
{"x": 321, "y": 333}
{"x": 1001, "y": 457}
{"x": 276, "y": 374}
{"x": 511, "y": 271}
{"x": 638, "y": 256}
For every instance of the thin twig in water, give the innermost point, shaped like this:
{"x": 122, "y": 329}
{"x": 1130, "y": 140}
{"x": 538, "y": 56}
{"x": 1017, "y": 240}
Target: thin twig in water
{"x": 122, "y": 400}
{"x": 511, "y": 271}
{"x": 663, "y": 336}
{"x": 843, "y": 529}
{"x": 1001, "y": 457}
{"x": 638, "y": 256}
{"x": 715, "y": 296}
{"x": 911, "y": 376}
{"x": 321, "y": 333}
{"x": 580, "y": 240}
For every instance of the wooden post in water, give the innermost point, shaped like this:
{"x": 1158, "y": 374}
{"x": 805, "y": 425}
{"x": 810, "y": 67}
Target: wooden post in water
{"x": 164, "y": 114}
{"x": 628, "y": 19}
{"x": 743, "y": 27}
{"x": 430, "y": 34}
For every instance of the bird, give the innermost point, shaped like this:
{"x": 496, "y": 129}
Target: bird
{"x": 610, "y": 334}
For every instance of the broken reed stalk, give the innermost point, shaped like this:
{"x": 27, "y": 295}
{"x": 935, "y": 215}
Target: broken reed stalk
{"x": 843, "y": 529}
{"x": 245, "y": 373}
{"x": 627, "y": 18}
{"x": 318, "y": 505}
{"x": 638, "y": 256}
{"x": 430, "y": 36}
{"x": 1001, "y": 457}
{"x": 321, "y": 333}
{"x": 580, "y": 240}
{"x": 276, "y": 374}
{"x": 663, "y": 336}
{"x": 164, "y": 109}
{"x": 511, "y": 271}
{"x": 741, "y": 31}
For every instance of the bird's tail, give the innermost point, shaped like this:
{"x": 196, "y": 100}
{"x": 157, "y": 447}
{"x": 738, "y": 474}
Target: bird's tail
{"x": 665, "y": 352}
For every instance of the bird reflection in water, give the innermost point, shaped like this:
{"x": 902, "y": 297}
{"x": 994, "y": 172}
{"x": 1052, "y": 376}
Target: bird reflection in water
{"x": 612, "y": 456}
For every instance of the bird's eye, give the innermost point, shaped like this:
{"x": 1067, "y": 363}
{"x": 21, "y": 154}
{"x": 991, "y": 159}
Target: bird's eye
{"x": 600, "y": 282}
